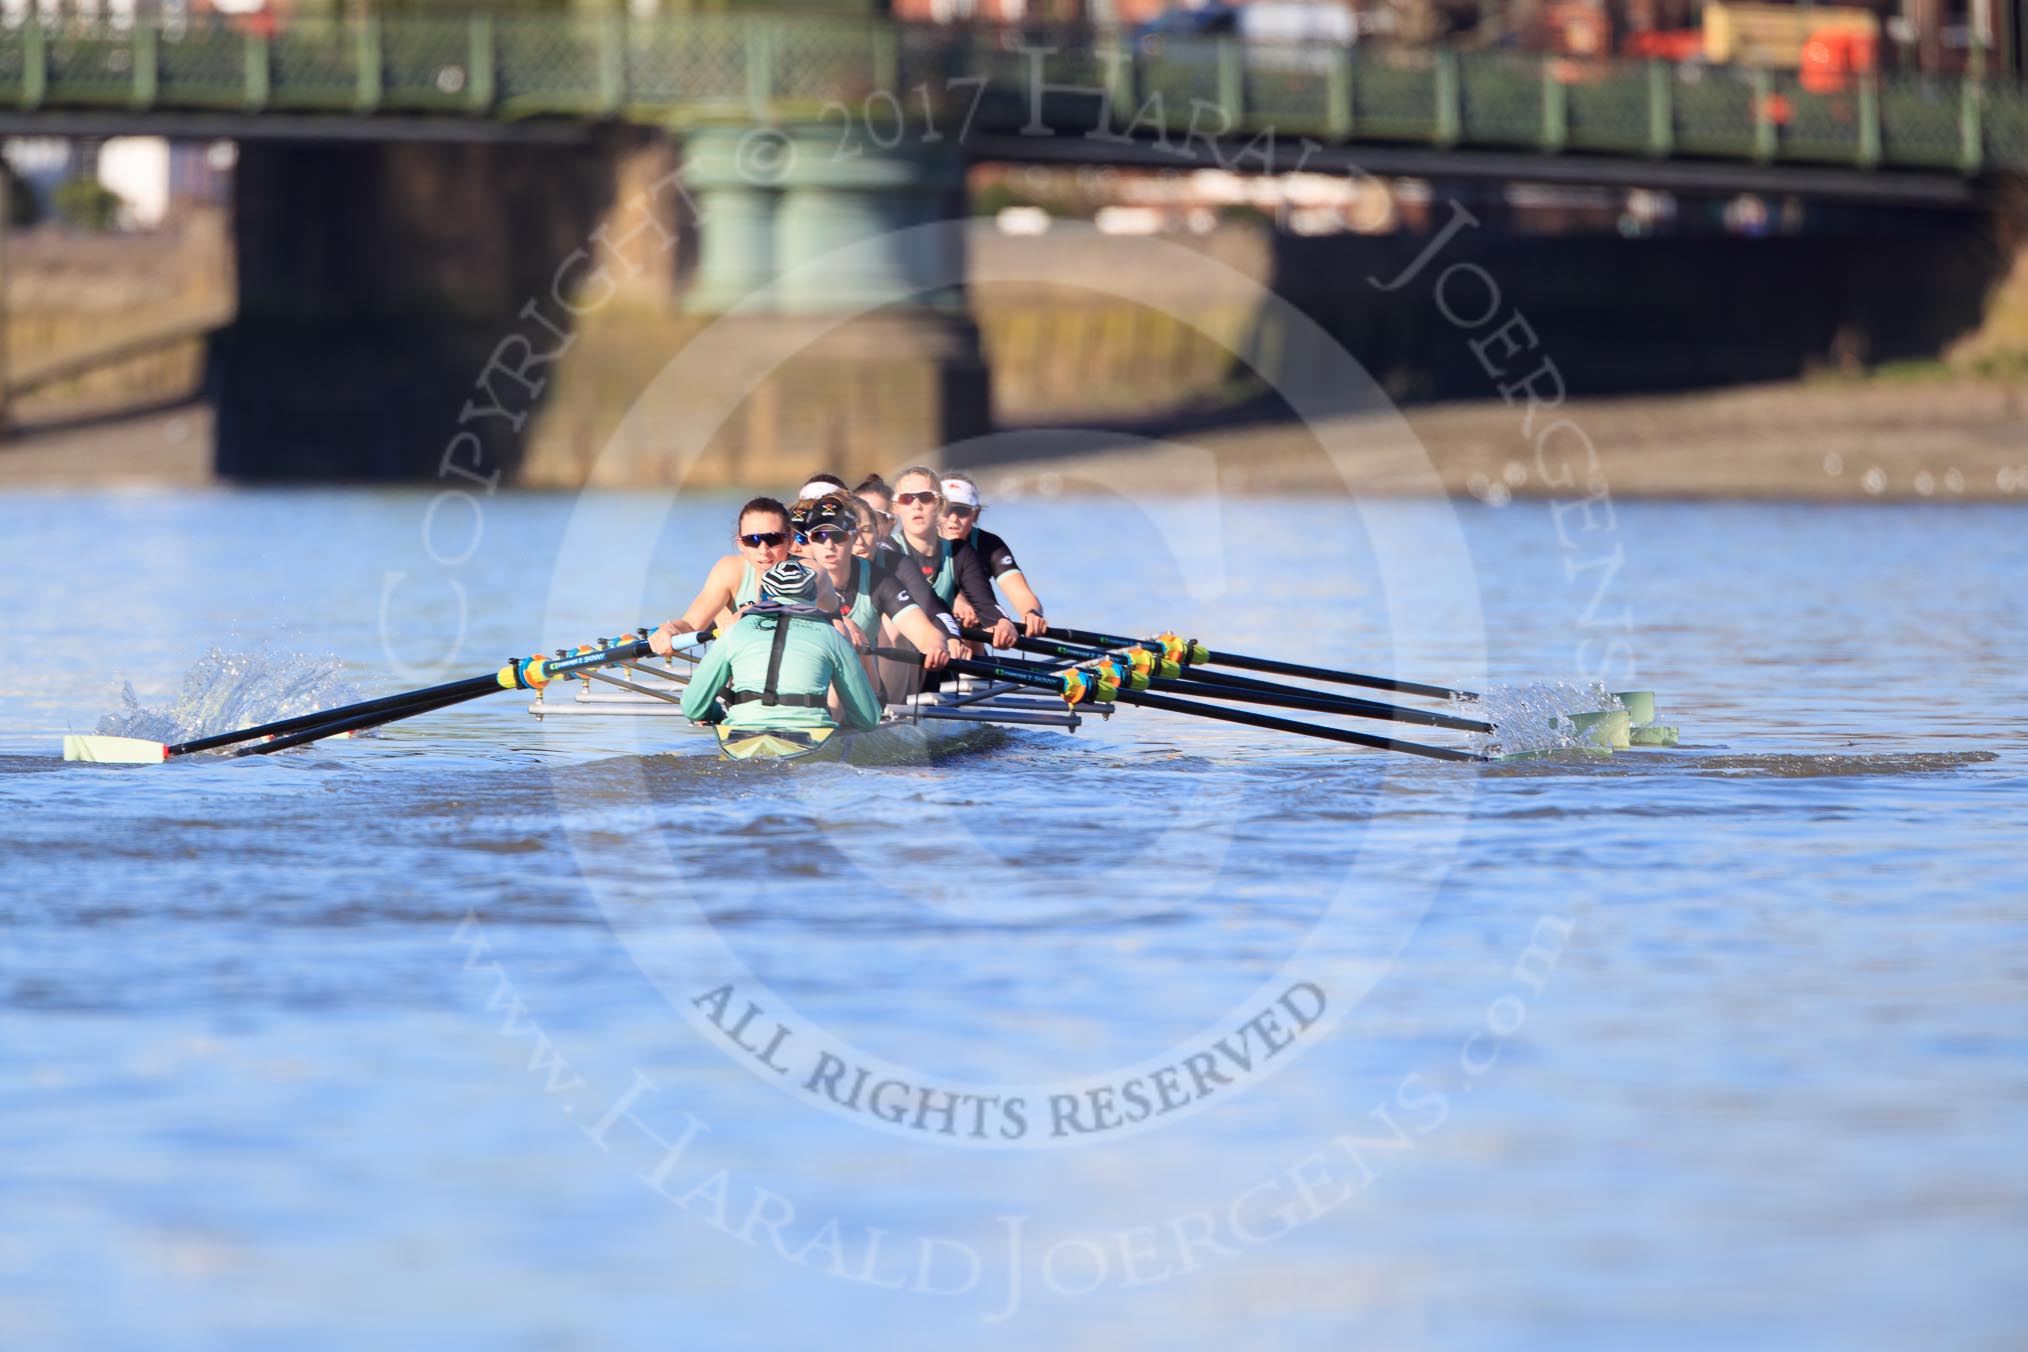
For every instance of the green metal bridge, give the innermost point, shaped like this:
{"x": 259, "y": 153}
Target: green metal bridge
{"x": 526, "y": 74}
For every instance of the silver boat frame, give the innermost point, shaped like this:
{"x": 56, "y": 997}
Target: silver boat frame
{"x": 964, "y": 703}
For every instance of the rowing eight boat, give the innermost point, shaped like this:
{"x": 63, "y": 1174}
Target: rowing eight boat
{"x": 1089, "y": 673}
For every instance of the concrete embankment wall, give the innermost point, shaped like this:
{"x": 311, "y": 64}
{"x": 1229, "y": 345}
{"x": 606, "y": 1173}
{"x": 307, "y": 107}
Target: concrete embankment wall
{"x": 1617, "y": 317}
{"x": 85, "y": 314}
{"x": 1066, "y": 350}
{"x": 1650, "y": 315}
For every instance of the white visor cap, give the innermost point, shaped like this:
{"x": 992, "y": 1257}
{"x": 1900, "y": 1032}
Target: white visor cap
{"x": 960, "y": 492}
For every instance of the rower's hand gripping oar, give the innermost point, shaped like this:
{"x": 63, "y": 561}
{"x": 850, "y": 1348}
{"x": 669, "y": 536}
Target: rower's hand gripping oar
{"x": 526, "y": 673}
{"x": 1191, "y": 653}
{"x": 1108, "y": 680}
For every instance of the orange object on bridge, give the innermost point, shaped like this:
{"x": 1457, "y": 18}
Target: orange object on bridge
{"x": 1657, "y": 44}
{"x": 1832, "y": 56}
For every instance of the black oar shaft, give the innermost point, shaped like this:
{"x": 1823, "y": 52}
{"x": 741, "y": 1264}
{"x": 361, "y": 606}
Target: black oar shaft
{"x": 1220, "y": 685}
{"x": 313, "y": 727}
{"x": 365, "y": 708}
{"x": 1316, "y": 703}
{"x": 1275, "y": 668}
{"x": 1017, "y": 673}
{"x": 1022, "y": 675}
{"x": 1250, "y": 719}
{"x": 357, "y": 723}
{"x": 1245, "y": 663}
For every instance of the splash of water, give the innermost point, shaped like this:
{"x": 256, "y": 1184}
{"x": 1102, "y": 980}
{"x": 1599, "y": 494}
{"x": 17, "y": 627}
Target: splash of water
{"x": 1531, "y": 718}
{"x": 223, "y": 692}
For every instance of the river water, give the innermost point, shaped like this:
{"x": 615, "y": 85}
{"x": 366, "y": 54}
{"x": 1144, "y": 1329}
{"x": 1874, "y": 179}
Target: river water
{"x": 1166, "y": 1033}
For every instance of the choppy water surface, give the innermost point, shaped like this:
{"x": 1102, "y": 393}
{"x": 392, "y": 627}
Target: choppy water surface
{"x": 406, "y": 1040}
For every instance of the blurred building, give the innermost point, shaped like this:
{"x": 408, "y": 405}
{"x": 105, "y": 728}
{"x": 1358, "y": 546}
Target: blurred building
{"x": 155, "y": 179}
{"x": 1941, "y": 36}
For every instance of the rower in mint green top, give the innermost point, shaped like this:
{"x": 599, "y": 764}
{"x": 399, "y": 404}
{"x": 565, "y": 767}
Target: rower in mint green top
{"x": 778, "y": 662}
{"x": 863, "y": 613}
{"x": 748, "y": 590}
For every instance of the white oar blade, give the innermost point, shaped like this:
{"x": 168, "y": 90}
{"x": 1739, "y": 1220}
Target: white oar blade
{"x": 114, "y": 750}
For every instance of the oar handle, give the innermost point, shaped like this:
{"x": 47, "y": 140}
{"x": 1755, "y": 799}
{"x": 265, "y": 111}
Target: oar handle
{"x": 534, "y": 672}
{"x": 1020, "y": 675}
{"x": 1075, "y": 652}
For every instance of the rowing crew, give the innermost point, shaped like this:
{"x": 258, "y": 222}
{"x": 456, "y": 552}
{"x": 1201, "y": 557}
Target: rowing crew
{"x": 815, "y": 584}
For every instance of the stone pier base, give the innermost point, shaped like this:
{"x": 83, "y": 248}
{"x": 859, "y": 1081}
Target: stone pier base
{"x": 762, "y": 401}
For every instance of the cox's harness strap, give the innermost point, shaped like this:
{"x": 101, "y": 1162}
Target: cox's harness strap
{"x": 781, "y": 643}
{"x": 789, "y": 701}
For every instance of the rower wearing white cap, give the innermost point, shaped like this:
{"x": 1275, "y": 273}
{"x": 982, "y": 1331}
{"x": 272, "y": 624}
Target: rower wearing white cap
{"x": 778, "y": 664}
{"x": 960, "y": 521}
{"x": 951, "y": 567}
{"x": 820, "y": 484}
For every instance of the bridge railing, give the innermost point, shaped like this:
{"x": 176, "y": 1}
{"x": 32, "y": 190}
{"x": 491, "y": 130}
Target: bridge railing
{"x": 674, "y": 69}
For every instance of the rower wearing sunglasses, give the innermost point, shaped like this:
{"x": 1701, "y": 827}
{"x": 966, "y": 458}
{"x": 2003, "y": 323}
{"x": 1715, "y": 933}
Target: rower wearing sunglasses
{"x": 762, "y": 538}
{"x": 952, "y": 567}
{"x": 876, "y": 600}
{"x": 779, "y": 662}
{"x": 960, "y": 522}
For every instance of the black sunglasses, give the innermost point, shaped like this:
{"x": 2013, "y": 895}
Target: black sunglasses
{"x": 767, "y": 539}
{"x": 826, "y": 535}
{"x": 904, "y": 499}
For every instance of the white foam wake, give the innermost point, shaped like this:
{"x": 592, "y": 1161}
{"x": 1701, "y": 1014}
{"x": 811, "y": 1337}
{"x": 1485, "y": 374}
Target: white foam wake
{"x": 1531, "y": 718}
{"x": 223, "y": 692}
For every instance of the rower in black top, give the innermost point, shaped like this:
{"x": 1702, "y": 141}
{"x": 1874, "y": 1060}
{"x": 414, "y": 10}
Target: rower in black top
{"x": 878, "y": 602}
{"x": 951, "y": 568}
{"x": 959, "y": 522}
{"x": 874, "y": 492}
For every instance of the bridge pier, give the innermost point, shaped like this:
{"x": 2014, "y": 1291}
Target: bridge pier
{"x": 377, "y": 281}
{"x": 402, "y": 304}
{"x": 736, "y": 254}
{"x": 772, "y": 203}
{"x": 886, "y": 363}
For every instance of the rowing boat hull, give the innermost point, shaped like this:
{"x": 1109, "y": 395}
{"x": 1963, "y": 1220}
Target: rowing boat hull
{"x": 896, "y": 742}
